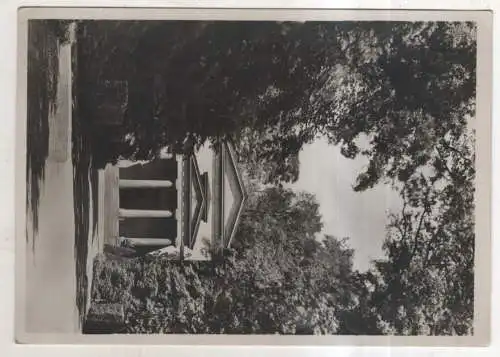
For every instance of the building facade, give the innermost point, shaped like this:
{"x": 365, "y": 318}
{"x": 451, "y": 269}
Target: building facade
{"x": 179, "y": 204}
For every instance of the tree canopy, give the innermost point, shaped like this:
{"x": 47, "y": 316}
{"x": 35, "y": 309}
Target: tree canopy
{"x": 400, "y": 94}
{"x": 402, "y": 85}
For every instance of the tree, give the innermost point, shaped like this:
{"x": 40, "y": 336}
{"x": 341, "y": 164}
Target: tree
{"x": 226, "y": 86}
{"x": 292, "y": 214}
{"x": 414, "y": 103}
{"x": 402, "y": 86}
{"x": 416, "y": 86}
{"x": 279, "y": 279}
{"x": 267, "y": 160}
{"x": 289, "y": 281}
{"x": 425, "y": 285}
{"x": 400, "y": 94}
{"x": 390, "y": 82}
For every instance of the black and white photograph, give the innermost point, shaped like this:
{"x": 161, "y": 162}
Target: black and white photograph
{"x": 201, "y": 175}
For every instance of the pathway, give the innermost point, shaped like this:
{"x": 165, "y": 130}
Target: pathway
{"x": 51, "y": 278}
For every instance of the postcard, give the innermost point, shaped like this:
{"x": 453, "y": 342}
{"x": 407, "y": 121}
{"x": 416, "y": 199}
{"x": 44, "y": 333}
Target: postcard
{"x": 241, "y": 177}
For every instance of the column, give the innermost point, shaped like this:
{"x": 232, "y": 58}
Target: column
{"x": 145, "y": 183}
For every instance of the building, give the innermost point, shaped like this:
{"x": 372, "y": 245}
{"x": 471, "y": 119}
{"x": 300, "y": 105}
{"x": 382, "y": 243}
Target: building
{"x": 179, "y": 204}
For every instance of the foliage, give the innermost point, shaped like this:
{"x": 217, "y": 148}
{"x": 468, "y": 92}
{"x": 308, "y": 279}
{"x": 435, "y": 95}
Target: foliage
{"x": 400, "y": 94}
{"x": 265, "y": 159}
{"x": 425, "y": 286}
{"x": 415, "y": 102}
{"x": 402, "y": 85}
{"x": 415, "y": 94}
{"x": 283, "y": 281}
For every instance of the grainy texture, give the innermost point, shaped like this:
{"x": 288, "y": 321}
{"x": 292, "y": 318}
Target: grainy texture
{"x": 236, "y": 104}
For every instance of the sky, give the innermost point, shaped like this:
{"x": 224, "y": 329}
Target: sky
{"x": 361, "y": 216}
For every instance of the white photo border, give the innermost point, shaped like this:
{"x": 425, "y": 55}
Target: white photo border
{"x": 482, "y": 295}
